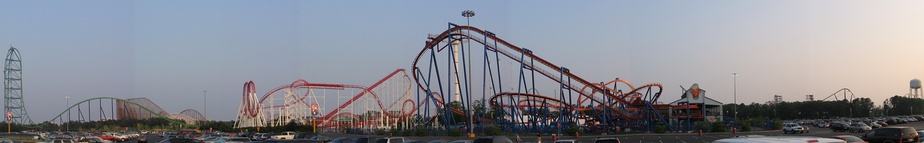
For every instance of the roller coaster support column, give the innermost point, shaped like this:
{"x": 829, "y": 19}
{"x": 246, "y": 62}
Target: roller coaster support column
{"x": 561, "y": 96}
{"x": 606, "y": 113}
{"x": 484, "y": 80}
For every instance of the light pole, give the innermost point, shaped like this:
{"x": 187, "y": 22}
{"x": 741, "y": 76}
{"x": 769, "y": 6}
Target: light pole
{"x": 735, "y": 75}
{"x": 205, "y": 108}
{"x": 471, "y": 129}
{"x": 67, "y": 103}
{"x": 468, "y": 14}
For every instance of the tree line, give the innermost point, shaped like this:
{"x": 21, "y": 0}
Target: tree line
{"x": 859, "y": 107}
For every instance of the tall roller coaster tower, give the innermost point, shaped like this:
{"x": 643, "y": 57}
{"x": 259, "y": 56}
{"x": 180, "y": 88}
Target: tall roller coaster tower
{"x": 12, "y": 87}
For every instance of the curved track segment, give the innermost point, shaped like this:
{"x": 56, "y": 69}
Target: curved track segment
{"x": 389, "y": 96}
{"x": 135, "y": 108}
{"x": 472, "y": 63}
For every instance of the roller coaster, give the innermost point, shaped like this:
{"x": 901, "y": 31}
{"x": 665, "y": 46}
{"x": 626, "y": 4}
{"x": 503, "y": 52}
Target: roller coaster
{"x": 292, "y": 102}
{"x": 110, "y": 108}
{"x": 464, "y": 78}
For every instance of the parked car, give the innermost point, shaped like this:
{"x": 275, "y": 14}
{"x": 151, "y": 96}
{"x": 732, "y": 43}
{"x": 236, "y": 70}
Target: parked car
{"x": 62, "y": 141}
{"x": 859, "y": 127}
{"x": 461, "y": 141}
{"x": 284, "y": 135}
{"x": 219, "y": 140}
{"x": 494, "y": 139}
{"x": 606, "y": 140}
{"x": 343, "y": 140}
{"x": 849, "y": 138}
{"x": 180, "y": 140}
{"x": 792, "y": 128}
{"x": 210, "y": 139}
{"x": 143, "y": 139}
{"x": 883, "y": 123}
{"x": 86, "y": 140}
{"x": 303, "y": 135}
{"x": 366, "y": 139}
{"x": 325, "y": 138}
{"x": 263, "y": 136}
{"x": 237, "y": 140}
{"x": 291, "y": 141}
{"x": 875, "y": 125}
{"x": 390, "y": 140}
{"x": 839, "y": 126}
{"x": 822, "y": 124}
{"x": 892, "y": 134}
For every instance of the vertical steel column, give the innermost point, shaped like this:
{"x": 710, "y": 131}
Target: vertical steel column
{"x": 466, "y": 103}
{"x": 606, "y": 104}
{"x": 561, "y": 98}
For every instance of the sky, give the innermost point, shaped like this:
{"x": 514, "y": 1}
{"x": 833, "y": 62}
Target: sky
{"x": 172, "y": 51}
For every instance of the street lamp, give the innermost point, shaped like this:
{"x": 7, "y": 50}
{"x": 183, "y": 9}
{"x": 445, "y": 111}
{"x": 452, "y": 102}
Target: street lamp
{"x": 735, "y": 75}
{"x": 205, "y": 108}
{"x": 471, "y": 129}
{"x": 468, "y": 14}
{"x": 67, "y": 103}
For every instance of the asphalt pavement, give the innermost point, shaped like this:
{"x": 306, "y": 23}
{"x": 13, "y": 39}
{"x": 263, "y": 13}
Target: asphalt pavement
{"x": 666, "y": 137}
{"x": 631, "y": 138}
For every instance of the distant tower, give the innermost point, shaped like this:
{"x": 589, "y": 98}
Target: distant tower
{"x": 809, "y": 97}
{"x": 456, "y": 77}
{"x": 12, "y": 87}
{"x": 915, "y": 88}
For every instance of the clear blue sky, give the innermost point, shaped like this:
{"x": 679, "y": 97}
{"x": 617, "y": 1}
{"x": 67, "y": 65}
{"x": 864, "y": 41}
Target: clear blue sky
{"x": 170, "y": 51}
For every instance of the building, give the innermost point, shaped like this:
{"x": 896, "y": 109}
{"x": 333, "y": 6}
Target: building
{"x": 700, "y": 108}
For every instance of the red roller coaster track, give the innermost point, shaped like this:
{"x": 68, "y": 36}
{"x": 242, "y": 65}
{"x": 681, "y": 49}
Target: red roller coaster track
{"x": 253, "y": 109}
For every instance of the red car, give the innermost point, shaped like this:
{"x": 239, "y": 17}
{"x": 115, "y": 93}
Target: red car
{"x": 108, "y": 137}
{"x": 850, "y": 138}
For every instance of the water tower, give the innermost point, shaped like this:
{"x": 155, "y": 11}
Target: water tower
{"x": 915, "y": 88}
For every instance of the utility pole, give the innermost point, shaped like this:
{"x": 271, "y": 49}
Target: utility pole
{"x": 67, "y": 100}
{"x": 205, "y": 108}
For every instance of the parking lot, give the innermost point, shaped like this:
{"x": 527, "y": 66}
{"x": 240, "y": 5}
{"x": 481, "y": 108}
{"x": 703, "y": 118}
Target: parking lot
{"x": 667, "y": 137}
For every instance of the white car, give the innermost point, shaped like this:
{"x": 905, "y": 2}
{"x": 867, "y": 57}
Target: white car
{"x": 391, "y": 140}
{"x": 765, "y": 139}
{"x": 284, "y": 135}
{"x": 793, "y": 128}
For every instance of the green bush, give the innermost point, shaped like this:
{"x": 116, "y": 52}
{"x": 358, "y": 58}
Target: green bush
{"x": 777, "y": 124}
{"x": 455, "y": 133}
{"x": 493, "y": 130}
{"x": 380, "y": 132}
{"x": 573, "y": 131}
{"x": 718, "y": 127}
{"x": 745, "y": 126}
{"x": 660, "y": 128}
{"x": 702, "y": 126}
{"x": 393, "y": 131}
{"x": 421, "y": 132}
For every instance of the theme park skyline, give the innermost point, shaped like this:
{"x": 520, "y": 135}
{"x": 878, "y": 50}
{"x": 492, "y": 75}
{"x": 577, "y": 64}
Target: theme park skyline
{"x": 171, "y": 52}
